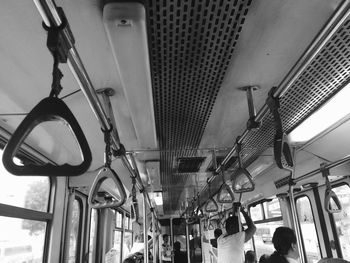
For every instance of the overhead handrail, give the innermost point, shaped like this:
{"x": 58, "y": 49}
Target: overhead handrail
{"x": 281, "y": 147}
{"x": 50, "y": 16}
{"x": 331, "y": 201}
{"x": 210, "y": 206}
{"x": 50, "y": 109}
{"x": 107, "y": 173}
{"x": 242, "y": 172}
{"x": 333, "y": 24}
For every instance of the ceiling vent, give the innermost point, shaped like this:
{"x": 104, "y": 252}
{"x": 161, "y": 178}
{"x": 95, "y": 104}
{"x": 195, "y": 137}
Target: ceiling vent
{"x": 189, "y": 164}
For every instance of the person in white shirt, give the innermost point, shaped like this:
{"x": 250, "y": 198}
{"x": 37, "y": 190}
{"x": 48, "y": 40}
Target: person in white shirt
{"x": 285, "y": 243}
{"x": 231, "y": 244}
{"x": 166, "y": 249}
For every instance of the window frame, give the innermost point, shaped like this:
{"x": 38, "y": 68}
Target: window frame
{"x": 122, "y": 229}
{"x": 314, "y": 218}
{"x": 264, "y": 220}
{"x": 333, "y": 224}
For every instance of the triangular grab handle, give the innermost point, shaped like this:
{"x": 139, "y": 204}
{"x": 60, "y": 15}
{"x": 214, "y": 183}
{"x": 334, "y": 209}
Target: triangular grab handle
{"x": 329, "y": 196}
{"x": 209, "y": 203}
{"x": 225, "y": 199}
{"x": 244, "y": 172}
{"x": 282, "y": 151}
{"x": 103, "y": 174}
{"x": 49, "y": 109}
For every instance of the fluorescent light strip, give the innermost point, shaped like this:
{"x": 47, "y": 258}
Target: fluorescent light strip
{"x": 332, "y": 111}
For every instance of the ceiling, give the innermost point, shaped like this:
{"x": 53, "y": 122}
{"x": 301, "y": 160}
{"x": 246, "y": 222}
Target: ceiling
{"x": 199, "y": 54}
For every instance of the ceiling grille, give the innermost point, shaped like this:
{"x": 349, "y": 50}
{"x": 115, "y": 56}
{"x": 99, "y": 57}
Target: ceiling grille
{"x": 327, "y": 73}
{"x": 191, "y": 45}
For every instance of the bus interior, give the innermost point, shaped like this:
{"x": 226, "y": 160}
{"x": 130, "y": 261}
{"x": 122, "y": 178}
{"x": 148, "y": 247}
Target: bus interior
{"x": 123, "y": 122}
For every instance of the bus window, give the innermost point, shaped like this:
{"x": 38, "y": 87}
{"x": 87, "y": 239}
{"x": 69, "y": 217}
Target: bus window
{"x": 342, "y": 219}
{"x": 308, "y": 229}
{"x": 118, "y": 230}
{"x": 92, "y": 241}
{"x": 31, "y": 192}
{"x": 267, "y": 217}
{"x": 23, "y": 240}
{"x": 74, "y": 233}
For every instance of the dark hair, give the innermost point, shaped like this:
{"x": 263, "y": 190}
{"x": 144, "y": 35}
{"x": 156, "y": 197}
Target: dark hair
{"x": 264, "y": 258}
{"x": 231, "y": 224}
{"x": 217, "y": 232}
{"x": 165, "y": 235}
{"x": 282, "y": 240}
{"x": 250, "y": 256}
{"x": 177, "y": 246}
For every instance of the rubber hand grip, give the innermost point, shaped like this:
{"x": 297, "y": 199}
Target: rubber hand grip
{"x": 49, "y": 109}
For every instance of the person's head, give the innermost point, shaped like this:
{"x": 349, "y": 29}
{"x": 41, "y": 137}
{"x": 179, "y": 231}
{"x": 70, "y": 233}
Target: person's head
{"x": 217, "y": 233}
{"x": 232, "y": 225}
{"x": 285, "y": 242}
{"x": 250, "y": 257}
{"x": 194, "y": 232}
{"x": 264, "y": 258}
{"x": 177, "y": 246}
{"x": 165, "y": 238}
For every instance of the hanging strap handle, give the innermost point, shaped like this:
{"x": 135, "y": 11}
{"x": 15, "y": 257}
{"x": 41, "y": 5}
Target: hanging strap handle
{"x": 107, "y": 173}
{"x": 281, "y": 146}
{"x": 330, "y": 195}
{"x": 242, "y": 171}
{"x": 49, "y": 109}
{"x": 211, "y": 205}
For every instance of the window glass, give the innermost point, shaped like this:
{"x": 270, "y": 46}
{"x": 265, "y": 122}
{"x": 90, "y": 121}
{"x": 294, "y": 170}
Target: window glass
{"x": 342, "y": 219}
{"x": 21, "y": 240}
{"x": 263, "y": 237}
{"x": 127, "y": 222}
{"x": 119, "y": 217}
{"x": 93, "y": 228}
{"x": 272, "y": 209}
{"x": 30, "y": 192}
{"x": 308, "y": 229}
{"x": 74, "y": 233}
{"x": 256, "y": 213}
{"x": 127, "y": 244}
{"x": 117, "y": 244}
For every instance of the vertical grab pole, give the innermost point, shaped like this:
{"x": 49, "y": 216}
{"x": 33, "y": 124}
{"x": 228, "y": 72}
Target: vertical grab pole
{"x": 71, "y": 198}
{"x": 154, "y": 230}
{"x": 294, "y": 211}
{"x": 145, "y": 236}
{"x": 188, "y": 244}
{"x": 172, "y": 238}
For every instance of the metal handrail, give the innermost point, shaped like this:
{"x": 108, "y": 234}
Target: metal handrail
{"x": 319, "y": 42}
{"x": 50, "y": 16}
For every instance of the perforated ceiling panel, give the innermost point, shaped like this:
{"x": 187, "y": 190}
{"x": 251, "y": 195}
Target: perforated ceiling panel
{"x": 191, "y": 45}
{"x": 327, "y": 73}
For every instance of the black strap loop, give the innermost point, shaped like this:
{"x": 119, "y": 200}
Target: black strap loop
{"x": 281, "y": 146}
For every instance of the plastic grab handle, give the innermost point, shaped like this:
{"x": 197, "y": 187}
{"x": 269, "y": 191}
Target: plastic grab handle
{"x": 49, "y": 109}
{"x": 327, "y": 202}
{"x": 103, "y": 174}
{"x": 250, "y": 179}
{"x": 209, "y": 203}
{"x": 228, "y": 200}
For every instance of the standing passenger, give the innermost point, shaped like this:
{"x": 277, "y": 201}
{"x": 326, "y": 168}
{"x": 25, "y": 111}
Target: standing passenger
{"x": 166, "y": 249}
{"x": 285, "y": 243}
{"x": 231, "y": 245}
{"x": 214, "y": 241}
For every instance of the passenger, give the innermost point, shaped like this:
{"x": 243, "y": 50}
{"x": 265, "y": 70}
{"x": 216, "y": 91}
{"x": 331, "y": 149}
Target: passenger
{"x": 231, "y": 245}
{"x": 166, "y": 249}
{"x": 285, "y": 243}
{"x": 195, "y": 247}
{"x": 179, "y": 256}
{"x": 214, "y": 241}
{"x": 264, "y": 258}
{"x": 250, "y": 257}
